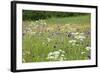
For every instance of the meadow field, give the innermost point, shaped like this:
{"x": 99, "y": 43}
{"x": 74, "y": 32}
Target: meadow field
{"x": 56, "y": 39}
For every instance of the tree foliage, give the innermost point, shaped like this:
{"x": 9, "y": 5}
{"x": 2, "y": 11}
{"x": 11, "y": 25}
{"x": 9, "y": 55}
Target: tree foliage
{"x": 36, "y": 15}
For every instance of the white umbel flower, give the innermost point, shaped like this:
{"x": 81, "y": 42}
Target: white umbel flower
{"x": 56, "y": 55}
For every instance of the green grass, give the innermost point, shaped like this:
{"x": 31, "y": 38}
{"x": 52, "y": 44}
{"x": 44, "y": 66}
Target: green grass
{"x": 36, "y": 46}
{"x": 70, "y": 20}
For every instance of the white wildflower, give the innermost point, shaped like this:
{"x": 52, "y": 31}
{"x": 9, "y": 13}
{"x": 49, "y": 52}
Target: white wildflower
{"x": 82, "y": 52}
{"x": 56, "y": 53}
{"x": 76, "y": 33}
{"x": 88, "y": 48}
{"x": 77, "y": 44}
{"x": 65, "y": 58}
{"x": 80, "y": 37}
{"x": 45, "y": 23}
{"x": 56, "y": 56}
{"x": 27, "y": 52}
{"x": 76, "y": 37}
{"x": 50, "y": 57}
{"x": 60, "y": 50}
{"x": 51, "y": 53}
{"x": 72, "y": 41}
{"x": 33, "y": 33}
{"x": 63, "y": 51}
{"x": 81, "y": 33}
{"x": 73, "y": 33}
{"x": 48, "y": 39}
{"x": 36, "y": 21}
{"x": 62, "y": 55}
{"x": 36, "y": 26}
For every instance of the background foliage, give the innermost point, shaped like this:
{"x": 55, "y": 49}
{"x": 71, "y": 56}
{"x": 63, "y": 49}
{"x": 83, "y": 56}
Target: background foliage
{"x": 36, "y": 15}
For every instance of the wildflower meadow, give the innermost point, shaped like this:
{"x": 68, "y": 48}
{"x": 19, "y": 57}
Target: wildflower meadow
{"x": 55, "y": 36}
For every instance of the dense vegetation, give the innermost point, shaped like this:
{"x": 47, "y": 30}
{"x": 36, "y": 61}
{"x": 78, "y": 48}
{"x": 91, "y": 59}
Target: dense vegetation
{"x": 36, "y": 15}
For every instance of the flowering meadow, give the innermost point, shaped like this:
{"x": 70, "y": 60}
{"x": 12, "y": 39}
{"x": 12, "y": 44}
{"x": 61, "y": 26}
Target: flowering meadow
{"x": 56, "y": 39}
